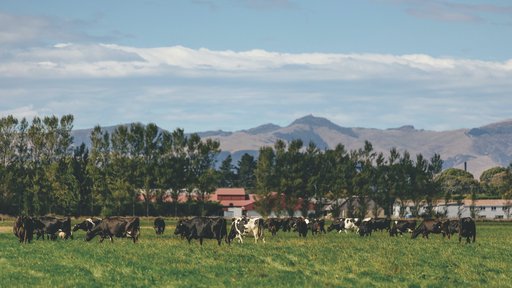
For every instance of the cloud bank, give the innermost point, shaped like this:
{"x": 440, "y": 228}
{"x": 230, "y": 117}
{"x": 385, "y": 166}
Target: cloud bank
{"x": 203, "y": 89}
{"x": 66, "y": 60}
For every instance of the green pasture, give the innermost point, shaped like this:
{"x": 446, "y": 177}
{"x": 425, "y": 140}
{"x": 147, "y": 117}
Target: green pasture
{"x": 331, "y": 260}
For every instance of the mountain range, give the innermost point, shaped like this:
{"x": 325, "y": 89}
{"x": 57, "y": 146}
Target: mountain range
{"x": 481, "y": 148}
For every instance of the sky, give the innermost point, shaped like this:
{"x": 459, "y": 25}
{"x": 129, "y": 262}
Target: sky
{"x": 236, "y": 64}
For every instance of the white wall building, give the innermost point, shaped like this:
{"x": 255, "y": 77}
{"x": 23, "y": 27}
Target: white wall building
{"x": 492, "y": 209}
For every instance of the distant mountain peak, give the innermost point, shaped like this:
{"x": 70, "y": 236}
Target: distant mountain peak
{"x": 265, "y": 128}
{"x": 315, "y": 122}
{"x": 503, "y": 127}
{"x": 404, "y": 128}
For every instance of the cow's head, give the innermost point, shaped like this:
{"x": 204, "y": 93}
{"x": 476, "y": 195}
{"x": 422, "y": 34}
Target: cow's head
{"x": 181, "y": 228}
{"x": 79, "y": 226}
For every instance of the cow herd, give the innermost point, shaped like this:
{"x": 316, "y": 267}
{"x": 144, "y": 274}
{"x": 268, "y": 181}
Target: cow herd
{"x": 26, "y": 227}
{"x": 216, "y": 228}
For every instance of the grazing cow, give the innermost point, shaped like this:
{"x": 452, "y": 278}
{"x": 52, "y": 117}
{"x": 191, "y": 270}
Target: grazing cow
{"x": 381, "y": 224}
{"x": 159, "y": 225}
{"x": 237, "y": 229}
{"x": 450, "y": 227}
{"x": 87, "y": 225}
{"x": 116, "y": 227}
{"x": 51, "y": 226}
{"x": 286, "y": 224}
{"x": 426, "y": 227}
{"x": 402, "y": 226}
{"x": 244, "y": 226}
{"x": 467, "y": 228}
{"x": 366, "y": 227}
{"x": 352, "y": 224}
{"x": 202, "y": 227}
{"x": 317, "y": 226}
{"x": 273, "y": 225}
{"x": 23, "y": 229}
{"x": 338, "y": 225}
{"x": 301, "y": 225}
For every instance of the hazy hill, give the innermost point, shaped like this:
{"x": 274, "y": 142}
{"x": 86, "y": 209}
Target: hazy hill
{"x": 481, "y": 147}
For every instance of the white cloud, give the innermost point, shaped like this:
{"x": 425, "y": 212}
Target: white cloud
{"x": 109, "y": 60}
{"x": 27, "y": 112}
{"x": 202, "y": 89}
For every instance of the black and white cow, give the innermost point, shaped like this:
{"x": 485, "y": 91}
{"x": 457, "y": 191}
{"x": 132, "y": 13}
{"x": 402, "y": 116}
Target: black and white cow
{"x": 402, "y": 226}
{"x": 116, "y": 227}
{"x": 52, "y": 226}
{"x": 247, "y": 226}
{"x": 337, "y": 224}
{"x": 366, "y": 227}
{"x": 87, "y": 225}
{"x": 352, "y": 224}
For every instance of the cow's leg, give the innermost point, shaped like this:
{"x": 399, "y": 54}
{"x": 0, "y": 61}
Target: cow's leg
{"x": 460, "y": 238}
{"x": 201, "y": 240}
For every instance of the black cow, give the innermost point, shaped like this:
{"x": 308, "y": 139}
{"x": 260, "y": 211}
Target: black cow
{"x": 159, "y": 225}
{"x": 201, "y": 228}
{"x": 426, "y": 227}
{"x": 273, "y": 225}
{"x": 467, "y": 228}
{"x": 366, "y": 227}
{"x": 116, "y": 227}
{"x": 23, "y": 229}
{"x": 337, "y": 224}
{"x": 381, "y": 224}
{"x": 301, "y": 225}
{"x": 450, "y": 227}
{"x": 402, "y": 226}
{"x": 51, "y": 226}
{"x": 87, "y": 225}
{"x": 287, "y": 223}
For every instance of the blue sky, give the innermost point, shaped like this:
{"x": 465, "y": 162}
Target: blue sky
{"x": 235, "y": 64}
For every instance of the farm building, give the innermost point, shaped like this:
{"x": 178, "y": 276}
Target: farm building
{"x": 235, "y": 202}
{"x": 482, "y": 209}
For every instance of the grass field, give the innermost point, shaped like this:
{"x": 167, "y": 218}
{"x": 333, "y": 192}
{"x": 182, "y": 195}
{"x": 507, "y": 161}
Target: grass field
{"x": 331, "y": 260}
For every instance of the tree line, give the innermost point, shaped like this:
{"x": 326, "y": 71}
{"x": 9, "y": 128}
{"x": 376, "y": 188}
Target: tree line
{"x": 135, "y": 168}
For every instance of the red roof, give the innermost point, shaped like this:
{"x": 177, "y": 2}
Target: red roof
{"x": 247, "y": 204}
{"x": 229, "y": 191}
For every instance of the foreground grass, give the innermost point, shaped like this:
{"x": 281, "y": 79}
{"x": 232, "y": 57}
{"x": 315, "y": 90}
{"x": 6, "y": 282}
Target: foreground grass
{"x": 331, "y": 260}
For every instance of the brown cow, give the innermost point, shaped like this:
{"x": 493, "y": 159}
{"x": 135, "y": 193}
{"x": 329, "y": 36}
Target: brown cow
{"x": 426, "y": 227}
{"x": 23, "y": 229}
